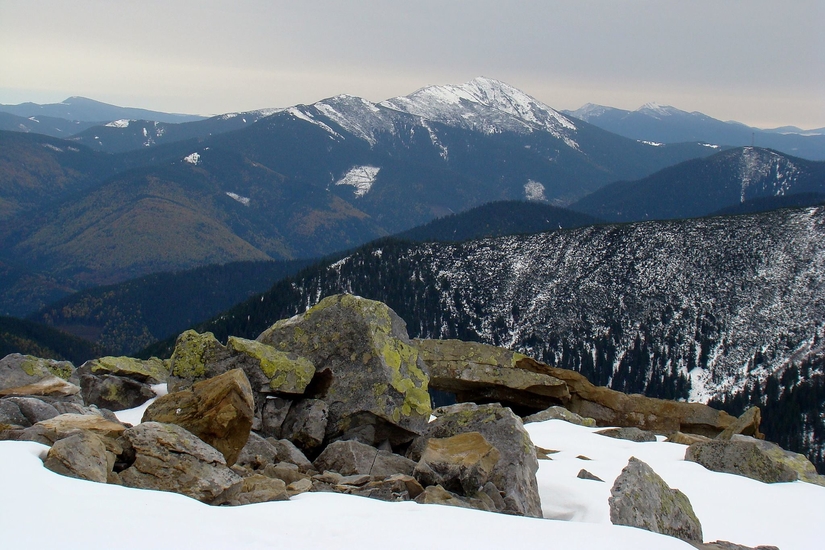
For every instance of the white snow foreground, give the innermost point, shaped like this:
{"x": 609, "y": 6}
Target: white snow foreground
{"x": 44, "y": 509}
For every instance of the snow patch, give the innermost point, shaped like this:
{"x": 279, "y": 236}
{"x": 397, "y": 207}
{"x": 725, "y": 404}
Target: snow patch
{"x": 122, "y": 123}
{"x": 194, "y": 159}
{"x": 651, "y": 143}
{"x": 243, "y": 200}
{"x": 360, "y": 177}
{"x": 52, "y": 147}
{"x": 306, "y": 117}
{"x": 534, "y": 191}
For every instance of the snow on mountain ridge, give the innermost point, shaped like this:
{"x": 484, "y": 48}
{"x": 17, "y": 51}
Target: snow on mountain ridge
{"x": 762, "y": 168}
{"x": 487, "y": 105}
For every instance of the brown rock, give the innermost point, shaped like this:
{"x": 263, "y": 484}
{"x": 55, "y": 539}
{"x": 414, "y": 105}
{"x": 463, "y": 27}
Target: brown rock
{"x": 258, "y": 488}
{"x": 49, "y": 385}
{"x": 462, "y": 463}
{"x": 81, "y": 455}
{"x": 52, "y": 430}
{"x": 747, "y": 424}
{"x": 218, "y": 410}
{"x": 686, "y": 439}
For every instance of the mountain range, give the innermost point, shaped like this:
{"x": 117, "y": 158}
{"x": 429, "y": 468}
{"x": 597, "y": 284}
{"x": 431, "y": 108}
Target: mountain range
{"x": 665, "y": 124}
{"x": 302, "y": 182}
{"x": 83, "y": 109}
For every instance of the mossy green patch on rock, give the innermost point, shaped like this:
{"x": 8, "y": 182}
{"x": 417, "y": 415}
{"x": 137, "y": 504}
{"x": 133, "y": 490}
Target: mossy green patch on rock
{"x": 287, "y": 373}
{"x": 151, "y": 370}
{"x": 192, "y": 351}
{"x": 38, "y": 368}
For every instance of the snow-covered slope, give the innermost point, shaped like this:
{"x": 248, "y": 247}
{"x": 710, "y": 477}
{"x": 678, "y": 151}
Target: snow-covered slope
{"x": 488, "y": 106}
{"x": 43, "y": 509}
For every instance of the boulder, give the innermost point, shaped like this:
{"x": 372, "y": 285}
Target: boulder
{"x": 150, "y": 371}
{"x": 52, "y": 430}
{"x": 286, "y": 451}
{"x": 482, "y": 373}
{"x": 218, "y": 410}
{"x": 81, "y": 455}
{"x": 25, "y": 411}
{"x": 640, "y": 498}
{"x": 515, "y": 472}
{"x": 257, "y": 453}
{"x": 368, "y": 371}
{"x": 200, "y": 356}
{"x": 396, "y": 488}
{"x": 113, "y": 392}
{"x": 584, "y": 474}
{"x": 271, "y": 370}
{"x": 18, "y": 370}
{"x": 747, "y": 424}
{"x": 49, "y": 385}
{"x": 305, "y": 424}
{"x": 169, "y": 458}
{"x": 559, "y": 413}
{"x": 630, "y": 434}
{"x": 462, "y": 463}
{"x": 725, "y": 545}
{"x": 754, "y": 458}
{"x": 286, "y": 472}
{"x": 258, "y": 488}
{"x": 389, "y": 464}
{"x": 298, "y": 487}
{"x": 196, "y": 357}
{"x": 347, "y": 458}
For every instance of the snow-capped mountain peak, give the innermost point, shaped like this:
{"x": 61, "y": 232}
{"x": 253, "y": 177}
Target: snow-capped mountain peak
{"x": 656, "y": 110}
{"x": 485, "y": 104}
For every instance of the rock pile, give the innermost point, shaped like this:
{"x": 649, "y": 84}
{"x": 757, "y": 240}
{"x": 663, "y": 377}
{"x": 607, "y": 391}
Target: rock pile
{"x": 336, "y": 399}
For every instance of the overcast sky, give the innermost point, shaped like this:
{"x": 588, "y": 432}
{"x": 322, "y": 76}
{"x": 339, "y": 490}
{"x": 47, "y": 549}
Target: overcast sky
{"x": 761, "y": 62}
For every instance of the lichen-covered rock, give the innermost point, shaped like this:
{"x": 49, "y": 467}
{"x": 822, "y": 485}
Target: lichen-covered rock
{"x": 368, "y": 371}
{"x": 306, "y": 424}
{"x": 113, "y": 392}
{"x": 640, "y": 498}
{"x": 515, "y": 471}
{"x": 746, "y": 424}
{"x": 754, "y": 458}
{"x": 150, "y": 371}
{"x": 630, "y": 434}
{"x": 169, "y": 458}
{"x": 270, "y": 369}
{"x": 462, "y": 463}
{"x": 559, "y": 413}
{"x": 483, "y": 373}
{"x": 21, "y": 370}
{"x": 196, "y": 357}
{"x": 218, "y": 410}
{"x": 81, "y": 455}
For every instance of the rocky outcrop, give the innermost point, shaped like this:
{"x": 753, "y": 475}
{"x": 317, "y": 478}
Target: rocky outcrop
{"x": 753, "y": 458}
{"x": 218, "y": 410}
{"x": 305, "y": 424}
{"x": 169, "y": 458}
{"x": 116, "y": 393}
{"x": 640, "y": 498}
{"x": 48, "y": 386}
{"x": 52, "y": 430}
{"x": 368, "y": 372}
{"x": 514, "y": 475}
{"x": 480, "y": 373}
{"x": 150, "y": 371}
{"x": 25, "y": 411}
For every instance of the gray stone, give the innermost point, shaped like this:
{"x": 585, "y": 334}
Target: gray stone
{"x": 346, "y": 458}
{"x": 515, "y": 472}
{"x": 169, "y": 458}
{"x": 306, "y": 424}
{"x": 436, "y": 494}
{"x": 257, "y": 454}
{"x": 368, "y": 371}
{"x": 258, "y": 488}
{"x": 81, "y": 455}
{"x": 725, "y": 545}
{"x": 630, "y": 434}
{"x": 753, "y": 458}
{"x": 584, "y": 474}
{"x": 49, "y": 385}
{"x": 559, "y": 413}
{"x": 286, "y": 451}
{"x": 284, "y": 471}
{"x": 273, "y": 414}
{"x": 461, "y": 464}
{"x": 640, "y": 498}
{"x": 116, "y": 393}
{"x": 388, "y": 464}
{"x": 34, "y": 410}
{"x": 20, "y": 370}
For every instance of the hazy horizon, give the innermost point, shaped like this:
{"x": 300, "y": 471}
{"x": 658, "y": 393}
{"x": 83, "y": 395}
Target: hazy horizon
{"x": 757, "y": 62}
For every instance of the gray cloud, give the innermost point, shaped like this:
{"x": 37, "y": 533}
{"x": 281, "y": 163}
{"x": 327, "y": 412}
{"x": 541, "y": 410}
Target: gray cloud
{"x": 761, "y": 62}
